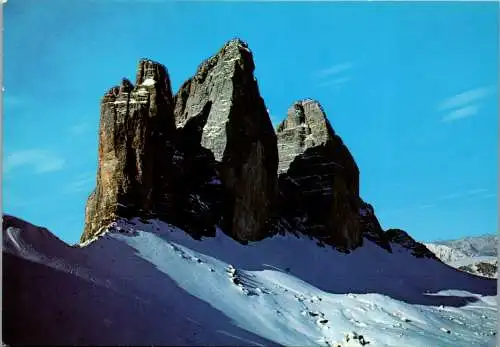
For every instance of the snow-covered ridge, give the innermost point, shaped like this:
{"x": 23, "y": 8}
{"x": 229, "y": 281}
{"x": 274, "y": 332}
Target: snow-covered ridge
{"x": 153, "y": 284}
{"x": 477, "y": 255}
{"x": 446, "y": 253}
{"x": 474, "y": 245}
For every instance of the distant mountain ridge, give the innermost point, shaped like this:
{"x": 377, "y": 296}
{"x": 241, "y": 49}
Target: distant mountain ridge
{"x": 484, "y": 245}
{"x": 474, "y": 254}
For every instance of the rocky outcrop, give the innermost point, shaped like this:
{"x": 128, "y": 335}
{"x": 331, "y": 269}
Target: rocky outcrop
{"x": 402, "y": 238}
{"x": 481, "y": 268}
{"x": 371, "y": 227}
{"x": 231, "y": 119}
{"x": 319, "y": 179}
{"x": 136, "y": 136}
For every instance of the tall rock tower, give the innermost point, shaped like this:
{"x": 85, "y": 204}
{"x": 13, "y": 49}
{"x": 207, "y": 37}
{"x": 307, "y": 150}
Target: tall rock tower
{"x": 136, "y": 135}
{"x": 318, "y": 178}
{"x": 204, "y": 158}
{"x": 237, "y": 129}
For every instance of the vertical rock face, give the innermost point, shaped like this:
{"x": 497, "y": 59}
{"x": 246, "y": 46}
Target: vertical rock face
{"x": 135, "y": 149}
{"x": 206, "y": 157}
{"x": 319, "y": 179}
{"x": 232, "y": 122}
{"x": 200, "y": 194}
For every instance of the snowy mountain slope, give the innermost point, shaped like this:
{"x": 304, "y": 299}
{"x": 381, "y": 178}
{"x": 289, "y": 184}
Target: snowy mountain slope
{"x": 485, "y": 245}
{"x": 153, "y": 284}
{"x": 45, "y": 303}
{"x": 446, "y": 253}
{"x": 477, "y": 255}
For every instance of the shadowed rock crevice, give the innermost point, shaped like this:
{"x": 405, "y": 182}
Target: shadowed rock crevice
{"x": 200, "y": 202}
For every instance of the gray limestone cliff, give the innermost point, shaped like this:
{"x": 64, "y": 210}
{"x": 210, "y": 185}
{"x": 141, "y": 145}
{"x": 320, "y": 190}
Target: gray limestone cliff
{"x": 207, "y": 157}
{"x": 319, "y": 179}
{"x": 135, "y": 149}
{"x": 236, "y": 128}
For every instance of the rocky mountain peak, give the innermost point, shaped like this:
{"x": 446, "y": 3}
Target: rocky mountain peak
{"x": 308, "y": 113}
{"x": 181, "y": 158}
{"x": 229, "y": 70}
{"x": 136, "y": 125}
{"x": 126, "y": 86}
{"x": 306, "y": 126}
{"x": 223, "y": 99}
{"x": 209, "y": 157}
{"x": 234, "y": 53}
{"x": 319, "y": 179}
{"x": 150, "y": 72}
{"x": 236, "y": 42}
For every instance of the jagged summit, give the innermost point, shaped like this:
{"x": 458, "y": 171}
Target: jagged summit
{"x": 234, "y": 52}
{"x": 319, "y": 179}
{"x": 151, "y": 70}
{"x": 134, "y": 156}
{"x": 224, "y": 101}
{"x": 225, "y": 80}
{"x": 306, "y": 126}
{"x": 237, "y": 41}
{"x": 234, "y": 60}
{"x": 223, "y": 135}
{"x": 209, "y": 157}
{"x": 297, "y": 112}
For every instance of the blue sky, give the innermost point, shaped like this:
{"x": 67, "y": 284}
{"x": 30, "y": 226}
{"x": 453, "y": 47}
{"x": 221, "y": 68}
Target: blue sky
{"x": 410, "y": 87}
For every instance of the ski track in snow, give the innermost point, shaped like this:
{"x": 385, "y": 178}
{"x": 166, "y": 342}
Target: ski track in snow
{"x": 262, "y": 294}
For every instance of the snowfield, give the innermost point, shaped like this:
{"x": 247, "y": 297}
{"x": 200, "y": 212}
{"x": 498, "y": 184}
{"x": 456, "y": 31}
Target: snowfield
{"x": 151, "y": 284}
{"x": 447, "y": 253}
{"x": 470, "y": 252}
